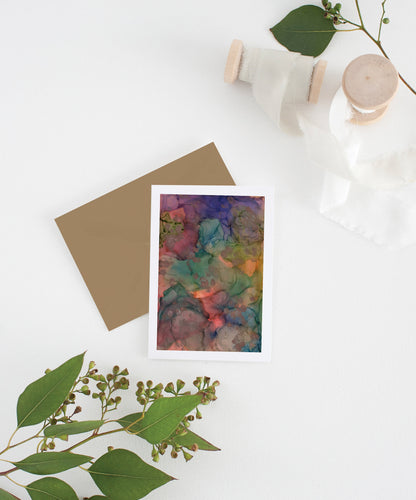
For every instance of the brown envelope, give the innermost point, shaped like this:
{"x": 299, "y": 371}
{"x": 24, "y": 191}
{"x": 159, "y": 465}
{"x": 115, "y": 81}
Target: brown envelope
{"x": 109, "y": 238}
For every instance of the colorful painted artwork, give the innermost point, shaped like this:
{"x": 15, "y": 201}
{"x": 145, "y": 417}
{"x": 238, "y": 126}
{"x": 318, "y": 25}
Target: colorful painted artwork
{"x": 210, "y": 272}
{"x": 210, "y": 278}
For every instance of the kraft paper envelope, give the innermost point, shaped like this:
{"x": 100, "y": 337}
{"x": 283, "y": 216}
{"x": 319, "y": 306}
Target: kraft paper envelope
{"x": 109, "y": 238}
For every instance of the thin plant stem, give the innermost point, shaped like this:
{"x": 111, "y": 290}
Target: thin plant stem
{"x": 361, "y": 27}
{"x": 15, "y": 482}
{"x": 10, "y": 441}
{"x": 93, "y": 436}
{"x": 10, "y": 446}
{"x": 381, "y": 20}
{"x": 387, "y": 57}
{"x": 24, "y": 441}
{"x": 38, "y": 447}
{"x": 114, "y": 431}
{"x": 6, "y": 472}
{"x": 359, "y": 13}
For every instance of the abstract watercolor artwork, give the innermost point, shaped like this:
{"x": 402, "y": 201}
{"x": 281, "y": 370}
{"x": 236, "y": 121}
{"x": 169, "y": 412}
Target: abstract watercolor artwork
{"x": 208, "y": 285}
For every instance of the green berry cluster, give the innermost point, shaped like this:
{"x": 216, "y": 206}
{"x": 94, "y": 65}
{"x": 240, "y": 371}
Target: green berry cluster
{"x": 333, "y": 12}
{"x": 207, "y": 391}
{"x": 147, "y": 392}
{"x": 107, "y": 385}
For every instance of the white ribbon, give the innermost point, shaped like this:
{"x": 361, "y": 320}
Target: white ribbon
{"x": 280, "y": 82}
{"x": 374, "y": 196}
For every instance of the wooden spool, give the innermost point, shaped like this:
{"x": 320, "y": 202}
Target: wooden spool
{"x": 232, "y": 66}
{"x": 232, "y": 69}
{"x": 369, "y": 83}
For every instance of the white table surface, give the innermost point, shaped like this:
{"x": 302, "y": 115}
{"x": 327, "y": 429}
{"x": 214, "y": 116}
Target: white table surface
{"x": 95, "y": 93}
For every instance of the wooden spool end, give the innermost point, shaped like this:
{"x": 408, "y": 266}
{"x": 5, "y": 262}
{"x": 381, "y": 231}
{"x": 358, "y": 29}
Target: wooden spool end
{"x": 370, "y": 82}
{"x": 232, "y": 66}
{"x": 317, "y": 80}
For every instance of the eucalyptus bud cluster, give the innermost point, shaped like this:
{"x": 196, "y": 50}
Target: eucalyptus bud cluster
{"x": 106, "y": 386}
{"x": 146, "y": 393}
{"x": 176, "y": 448}
{"x": 206, "y": 389}
{"x": 175, "y": 389}
{"x": 333, "y": 12}
{"x": 61, "y": 414}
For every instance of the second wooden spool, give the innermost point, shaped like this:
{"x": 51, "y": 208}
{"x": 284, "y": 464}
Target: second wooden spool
{"x": 369, "y": 83}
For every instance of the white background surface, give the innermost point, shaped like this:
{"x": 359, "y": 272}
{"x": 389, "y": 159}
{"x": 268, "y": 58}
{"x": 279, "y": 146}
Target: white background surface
{"x": 95, "y": 93}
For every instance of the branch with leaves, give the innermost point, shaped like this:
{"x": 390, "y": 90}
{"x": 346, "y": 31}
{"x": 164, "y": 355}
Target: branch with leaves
{"x": 309, "y": 29}
{"x": 163, "y": 420}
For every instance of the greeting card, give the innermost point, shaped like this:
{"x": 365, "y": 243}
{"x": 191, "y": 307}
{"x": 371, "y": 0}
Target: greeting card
{"x": 210, "y": 272}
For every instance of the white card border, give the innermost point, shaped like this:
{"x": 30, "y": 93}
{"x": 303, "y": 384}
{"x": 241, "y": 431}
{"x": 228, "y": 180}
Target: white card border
{"x": 265, "y": 354}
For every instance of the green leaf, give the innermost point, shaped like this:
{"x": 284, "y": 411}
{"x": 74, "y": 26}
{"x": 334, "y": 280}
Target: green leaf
{"x": 51, "y": 462}
{"x": 305, "y": 30}
{"x": 72, "y": 428}
{"x": 41, "y": 398}
{"x": 97, "y": 497}
{"x": 51, "y": 488}
{"x": 190, "y": 438}
{"x": 122, "y": 475}
{"x": 162, "y": 418}
{"x": 6, "y": 496}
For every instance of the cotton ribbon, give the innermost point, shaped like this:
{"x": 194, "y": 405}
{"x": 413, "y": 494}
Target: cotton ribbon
{"x": 369, "y": 183}
{"x": 370, "y": 170}
{"x": 280, "y": 82}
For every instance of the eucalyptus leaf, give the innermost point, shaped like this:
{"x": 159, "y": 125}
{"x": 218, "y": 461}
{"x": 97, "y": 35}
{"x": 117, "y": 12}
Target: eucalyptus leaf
{"x": 305, "y": 30}
{"x": 44, "y": 396}
{"x": 122, "y": 475}
{"x": 51, "y": 462}
{"x": 190, "y": 438}
{"x": 162, "y": 418}
{"x": 6, "y": 496}
{"x": 72, "y": 428}
{"x": 51, "y": 488}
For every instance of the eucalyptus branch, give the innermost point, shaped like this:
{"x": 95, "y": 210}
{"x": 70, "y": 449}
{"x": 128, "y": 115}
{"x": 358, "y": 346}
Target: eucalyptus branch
{"x": 164, "y": 418}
